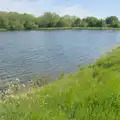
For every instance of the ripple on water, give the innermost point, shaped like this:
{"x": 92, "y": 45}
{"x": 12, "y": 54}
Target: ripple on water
{"x": 50, "y": 52}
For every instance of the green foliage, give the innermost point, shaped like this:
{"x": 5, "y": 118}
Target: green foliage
{"x": 16, "y": 21}
{"x": 48, "y": 20}
{"x": 76, "y": 23}
{"x": 92, "y": 21}
{"x": 93, "y": 93}
{"x": 112, "y": 21}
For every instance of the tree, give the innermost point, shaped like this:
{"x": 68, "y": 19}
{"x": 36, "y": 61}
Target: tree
{"x": 112, "y": 21}
{"x": 4, "y": 23}
{"x": 30, "y": 25}
{"x": 65, "y": 21}
{"x": 76, "y": 22}
{"x": 48, "y": 20}
{"x": 101, "y": 23}
{"x": 91, "y": 21}
{"x": 62, "y": 23}
{"x": 16, "y": 21}
{"x": 83, "y": 23}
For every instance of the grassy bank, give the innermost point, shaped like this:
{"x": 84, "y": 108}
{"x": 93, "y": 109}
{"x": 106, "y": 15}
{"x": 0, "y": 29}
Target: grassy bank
{"x": 93, "y": 93}
{"x": 65, "y": 28}
{"x": 3, "y": 30}
{"x": 79, "y": 28}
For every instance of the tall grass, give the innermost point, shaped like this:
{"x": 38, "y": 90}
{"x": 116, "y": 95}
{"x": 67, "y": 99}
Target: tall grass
{"x": 93, "y": 93}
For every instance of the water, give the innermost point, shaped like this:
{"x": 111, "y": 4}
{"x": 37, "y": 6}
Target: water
{"x": 24, "y": 55}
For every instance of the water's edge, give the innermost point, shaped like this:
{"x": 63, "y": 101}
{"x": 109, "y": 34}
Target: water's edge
{"x": 65, "y": 28}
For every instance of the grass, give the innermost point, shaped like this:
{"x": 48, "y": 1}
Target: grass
{"x": 79, "y": 28}
{"x": 2, "y": 30}
{"x": 66, "y": 28}
{"x": 93, "y": 93}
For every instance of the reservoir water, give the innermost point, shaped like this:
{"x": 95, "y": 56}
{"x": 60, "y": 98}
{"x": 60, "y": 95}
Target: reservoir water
{"x": 26, "y": 54}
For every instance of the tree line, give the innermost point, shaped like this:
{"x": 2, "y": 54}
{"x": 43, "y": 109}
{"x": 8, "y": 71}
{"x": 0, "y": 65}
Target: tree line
{"x": 16, "y": 21}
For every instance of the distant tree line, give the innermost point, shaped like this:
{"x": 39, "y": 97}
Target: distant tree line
{"x": 16, "y": 21}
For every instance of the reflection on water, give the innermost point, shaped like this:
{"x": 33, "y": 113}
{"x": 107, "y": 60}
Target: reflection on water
{"x": 27, "y": 54}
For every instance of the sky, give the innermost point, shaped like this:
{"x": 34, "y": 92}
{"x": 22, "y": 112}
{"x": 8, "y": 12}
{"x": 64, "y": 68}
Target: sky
{"x": 80, "y": 8}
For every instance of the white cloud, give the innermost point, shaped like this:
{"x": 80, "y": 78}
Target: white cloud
{"x": 35, "y": 7}
{"x": 38, "y": 7}
{"x": 74, "y": 10}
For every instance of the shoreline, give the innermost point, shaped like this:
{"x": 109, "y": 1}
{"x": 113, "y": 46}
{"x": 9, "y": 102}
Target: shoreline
{"x": 79, "y": 28}
{"x": 38, "y": 80}
{"x": 94, "y": 86}
{"x": 63, "y": 28}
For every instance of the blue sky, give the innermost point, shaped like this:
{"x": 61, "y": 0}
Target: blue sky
{"x": 81, "y": 8}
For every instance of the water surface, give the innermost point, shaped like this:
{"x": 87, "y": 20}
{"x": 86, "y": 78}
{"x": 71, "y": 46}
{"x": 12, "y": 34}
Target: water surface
{"x": 33, "y": 53}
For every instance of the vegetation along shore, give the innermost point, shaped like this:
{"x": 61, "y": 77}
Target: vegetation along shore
{"x": 93, "y": 93}
{"x": 65, "y": 28}
{"x": 52, "y": 21}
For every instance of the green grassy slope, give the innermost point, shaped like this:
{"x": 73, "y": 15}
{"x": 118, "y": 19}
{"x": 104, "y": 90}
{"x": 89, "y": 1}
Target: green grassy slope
{"x": 93, "y": 93}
